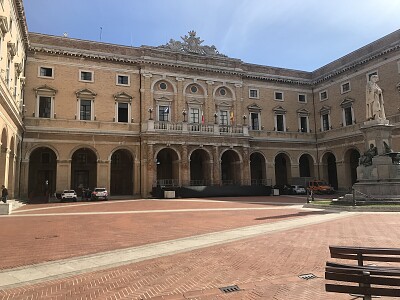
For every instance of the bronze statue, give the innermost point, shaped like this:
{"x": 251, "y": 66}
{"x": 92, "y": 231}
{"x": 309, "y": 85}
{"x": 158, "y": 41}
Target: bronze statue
{"x": 366, "y": 159}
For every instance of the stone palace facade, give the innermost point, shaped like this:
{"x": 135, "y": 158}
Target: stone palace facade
{"x": 81, "y": 114}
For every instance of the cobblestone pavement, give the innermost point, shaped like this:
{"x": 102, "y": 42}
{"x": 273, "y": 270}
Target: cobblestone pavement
{"x": 266, "y": 266}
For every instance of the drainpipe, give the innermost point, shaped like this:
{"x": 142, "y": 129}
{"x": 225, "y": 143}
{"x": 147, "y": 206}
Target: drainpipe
{"x": 316, "y": 133}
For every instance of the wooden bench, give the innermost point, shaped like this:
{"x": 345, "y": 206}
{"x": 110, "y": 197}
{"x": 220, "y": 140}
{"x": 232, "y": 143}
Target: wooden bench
{"x": 372, "y": 280}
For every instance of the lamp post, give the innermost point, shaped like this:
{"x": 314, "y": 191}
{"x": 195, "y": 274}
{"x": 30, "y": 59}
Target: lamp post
{"x": 244, "y": 120}
{"x": 215, "y": 117}
{"x": 184, "y": 113}
{"x": 150, "y": 110}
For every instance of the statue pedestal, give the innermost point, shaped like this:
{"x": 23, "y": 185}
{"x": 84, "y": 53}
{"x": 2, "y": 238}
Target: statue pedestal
{"x": 381, "y": 180}
{"x": 376, "y": 132}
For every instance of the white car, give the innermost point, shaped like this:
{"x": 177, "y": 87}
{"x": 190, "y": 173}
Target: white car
{"x": 99, "y": 193}
{"x": 298, "y": 189}
{"x": 68, "y": 195}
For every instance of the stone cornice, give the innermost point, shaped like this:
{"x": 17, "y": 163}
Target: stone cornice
{"x": 22, "y": 21}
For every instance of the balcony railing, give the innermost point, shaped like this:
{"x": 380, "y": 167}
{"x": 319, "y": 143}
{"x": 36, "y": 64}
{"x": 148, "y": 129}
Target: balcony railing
{"x": 197, "y": 128}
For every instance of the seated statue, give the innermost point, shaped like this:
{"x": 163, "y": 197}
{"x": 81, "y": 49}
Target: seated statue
{"x": 394, "y": 155}
{"x": 366, "y": 159}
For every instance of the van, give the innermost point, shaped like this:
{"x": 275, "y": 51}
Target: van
{"x": 320, "y": 187}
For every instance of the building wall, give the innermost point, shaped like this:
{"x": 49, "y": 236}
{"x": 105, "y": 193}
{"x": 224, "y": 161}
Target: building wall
{"x": 159, "y": 77}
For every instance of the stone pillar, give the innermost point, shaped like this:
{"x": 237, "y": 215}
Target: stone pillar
{"x": 185, "y": 177}
{"x": 271, "y": 172}
{"x": 149, "y": 170}
{"x": 63, "y": 176}
{"x": 11, "y": 176}
{"x": 24, "y": 178}
{"x": 103, "y": 173}
{"x": 4, "y": 164}
{"x": 295, "y": 170}
{"x": 147, "y": 101}
{"x": 216, "y": 166}
{"x": 238, "y": 108}
{"x": 180, "y": 101}
{"x": 209, "y": 109}
{"x": 246, "y": 180}
{"x": 341, "y": 174}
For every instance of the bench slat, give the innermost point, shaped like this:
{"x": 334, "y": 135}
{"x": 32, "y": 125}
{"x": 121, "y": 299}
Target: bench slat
{"x": 337, "y": 288}
{"x": 360, "y": 278}
{"x": 365, "y": 257}
{"x": 372, "y": 269}
{"x": 366, "y": 250}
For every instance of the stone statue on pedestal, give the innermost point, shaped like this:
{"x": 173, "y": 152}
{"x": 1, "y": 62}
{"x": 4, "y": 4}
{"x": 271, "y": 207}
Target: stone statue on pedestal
{"x": 374, "y": 97}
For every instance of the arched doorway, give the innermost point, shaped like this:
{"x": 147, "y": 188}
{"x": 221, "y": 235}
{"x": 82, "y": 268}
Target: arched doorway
{"x": 121, "y": 182}
{"x": 306, "y": 166}
{"x": 83, "y": 170}
{"x": 230, "y": 168}
{"x": 167, "y": 168}
{"x": 351, "y": 159}
{"x": 42, "y": 174}
{"x": 200, "y": 168}
{"x": 11, "y": 168}
{"x": 257, "y": 169}
{"x": 330, "y": 171}
{"x": 282, "y": 169}
{"x": 3, "y": 156}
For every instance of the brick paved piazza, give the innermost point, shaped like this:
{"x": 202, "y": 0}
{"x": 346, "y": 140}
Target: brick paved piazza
{"x": 179, "y": 249}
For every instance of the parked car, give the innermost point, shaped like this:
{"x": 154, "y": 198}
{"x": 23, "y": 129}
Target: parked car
{"x": 320, "y": 187}
{"x": 68, "y": 195}
{"x": 298, "y": 190}
{"x": 99, "y": 193}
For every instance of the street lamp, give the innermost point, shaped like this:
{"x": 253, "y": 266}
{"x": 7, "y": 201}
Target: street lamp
{"x": 184, "y": 113}
{"x": 150, "y": 110}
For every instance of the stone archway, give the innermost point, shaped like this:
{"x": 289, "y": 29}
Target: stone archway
{"x": 257, "y": 169}
{"x": 230, "y": 168}
{"x": 351, "y": 159}
{"x": 306, "y": 166}
{"x": 200, "y": 173}
{"x": 121, "y": 182}
{"x": 282, "y": 169}
{"x": 83, "y": 170}
{"x": 167, "y": 167}
{"x": 42, "y": 174}
{"x": 329, "y": 169}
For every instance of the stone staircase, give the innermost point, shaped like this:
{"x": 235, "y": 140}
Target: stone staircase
{"x": 13, "y": 204}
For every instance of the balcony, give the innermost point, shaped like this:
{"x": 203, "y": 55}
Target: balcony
{"x": 211, "y": 129}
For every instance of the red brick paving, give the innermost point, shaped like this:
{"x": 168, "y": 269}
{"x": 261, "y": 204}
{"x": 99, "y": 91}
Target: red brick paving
{"x": 38, "y": 239}
{"x": 266, "y": 267}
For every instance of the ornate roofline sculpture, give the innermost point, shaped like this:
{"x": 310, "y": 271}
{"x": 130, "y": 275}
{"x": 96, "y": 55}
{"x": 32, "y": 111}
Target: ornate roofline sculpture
{"x": 192, "y": 44}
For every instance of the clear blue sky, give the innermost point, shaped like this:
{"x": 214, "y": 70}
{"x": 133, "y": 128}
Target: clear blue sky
{"x": 295, "y": 34}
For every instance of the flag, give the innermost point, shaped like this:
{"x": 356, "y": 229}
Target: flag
{"x": 202, "y": 117}
{"x": 232, "y": 119}
{"x": 166, "y": 110}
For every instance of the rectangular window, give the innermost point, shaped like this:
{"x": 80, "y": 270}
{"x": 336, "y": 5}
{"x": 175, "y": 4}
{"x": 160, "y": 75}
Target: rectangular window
{"x": 8, "y": 72}
{"x": 323, "y": 95}
{"x": 163, "y": 113}
{"x": 44, "y": 107}
{"x": 122, "y": 80}
{"x": 123, "y": 112}
{"x": 325, "y": 122}
{"x": 194, "y": 115}
{"x": 253, "y": 93}
{"x": 86, "y": 110}
{"x": 254, "y": 121}
{"x": 223, "y": 117}
{"x": 86, "y": 76}
{"x": 345, "y": 87}
{"x": 302, "y": 98}
{"x": 348, "y": 116}
{"x": 46, "y": 72}
{"x": 280, "y": 124}
{"x": 279, "y": 96}
{"x": 304, "y": 124}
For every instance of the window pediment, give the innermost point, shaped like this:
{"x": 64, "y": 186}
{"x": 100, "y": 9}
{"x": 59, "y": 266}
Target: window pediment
{"x": 224, "y": 103}
{"x": 195, "y": 101}
{"x": 254, "y": 107}
{"x": 279, "y": 110}
{"x": 122, "y": 96}
{"x": 303, "y": 112}
{"x": 347, "y": 102}
{"x": 45, "y": 90}
{"x": 163, "y": 99}
{"x": 325, "y": 109}
{"x": 85, "y": 93}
